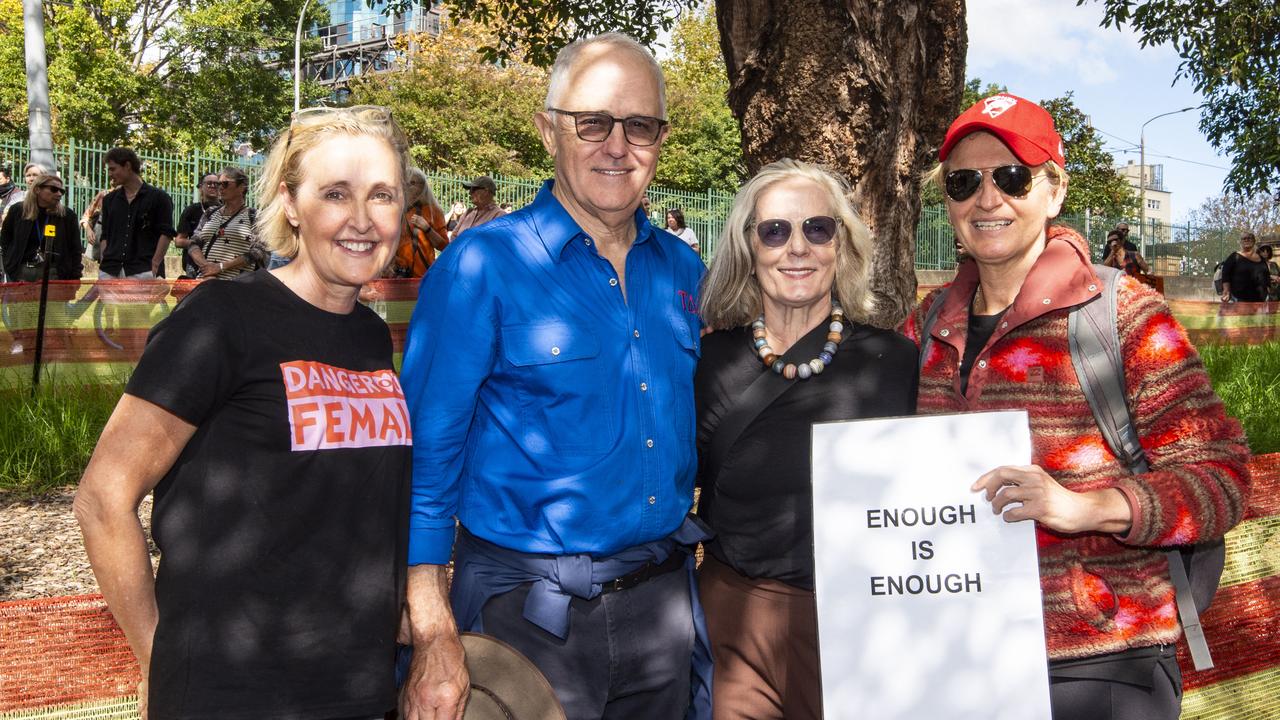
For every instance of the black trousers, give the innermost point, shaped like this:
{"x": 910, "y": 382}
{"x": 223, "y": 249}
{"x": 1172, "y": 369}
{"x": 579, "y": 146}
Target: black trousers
{"x": 627, "y": 655}
{"x": 1100, "y": 698}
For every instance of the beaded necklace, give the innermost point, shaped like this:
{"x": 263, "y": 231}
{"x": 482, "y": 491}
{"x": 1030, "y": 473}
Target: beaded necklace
{"x": 804, "y": 370}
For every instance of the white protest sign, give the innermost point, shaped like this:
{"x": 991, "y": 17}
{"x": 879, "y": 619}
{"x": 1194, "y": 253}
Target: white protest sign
{"x": 928, "y": 603}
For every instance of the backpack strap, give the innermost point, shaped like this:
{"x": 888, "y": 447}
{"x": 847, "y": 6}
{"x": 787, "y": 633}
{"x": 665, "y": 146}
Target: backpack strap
{"x": 1094, "y": 339}
{"x": 926, "y": 329}
{"x": 1096, "y": 355}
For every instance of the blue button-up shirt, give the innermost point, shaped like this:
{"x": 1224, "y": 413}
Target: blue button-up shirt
{"x": 551, "y": 414}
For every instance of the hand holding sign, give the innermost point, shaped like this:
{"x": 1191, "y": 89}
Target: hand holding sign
{"x": 1042, "y": 499}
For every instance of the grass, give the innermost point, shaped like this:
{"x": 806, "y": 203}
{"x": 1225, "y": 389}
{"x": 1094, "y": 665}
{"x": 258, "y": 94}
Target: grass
{"x": 1247, "y": 378}
{"x": 46, "y": 440}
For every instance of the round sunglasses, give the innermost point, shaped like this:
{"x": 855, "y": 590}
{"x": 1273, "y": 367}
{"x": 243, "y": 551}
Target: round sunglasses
{"x": 818, "y": 230}
{"x": 1013, "y": 180}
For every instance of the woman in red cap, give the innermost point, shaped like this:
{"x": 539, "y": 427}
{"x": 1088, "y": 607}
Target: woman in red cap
{"x": 999, "y": 340}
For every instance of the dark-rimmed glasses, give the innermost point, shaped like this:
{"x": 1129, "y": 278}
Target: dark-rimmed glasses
{"x": 224, "y": 184}
{"x": 818, "y": 230}
{"x": 55, "y": 189}
{"x": 1012, "y": 180}
{"x": 594, "y": 126}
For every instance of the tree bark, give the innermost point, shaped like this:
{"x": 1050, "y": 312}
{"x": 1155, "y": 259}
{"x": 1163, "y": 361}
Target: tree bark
{"x": 865, "y": 87}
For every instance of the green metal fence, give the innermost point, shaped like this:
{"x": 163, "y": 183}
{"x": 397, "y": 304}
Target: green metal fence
{"x": 1171, "y": 250}
{"x": 83, "y": 169}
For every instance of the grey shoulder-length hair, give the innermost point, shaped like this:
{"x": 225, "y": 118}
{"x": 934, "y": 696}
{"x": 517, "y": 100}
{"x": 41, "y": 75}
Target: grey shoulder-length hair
{"x": 731, "y": 294}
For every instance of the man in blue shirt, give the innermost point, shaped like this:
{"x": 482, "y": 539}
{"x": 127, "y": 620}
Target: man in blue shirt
{"x": 549, "y": 372}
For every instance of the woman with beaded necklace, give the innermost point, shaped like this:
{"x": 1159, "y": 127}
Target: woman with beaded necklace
{"x": 787, "y": 300}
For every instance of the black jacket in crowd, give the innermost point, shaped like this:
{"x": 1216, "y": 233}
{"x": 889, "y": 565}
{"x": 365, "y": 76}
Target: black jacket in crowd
{"x": 21, "y": 239}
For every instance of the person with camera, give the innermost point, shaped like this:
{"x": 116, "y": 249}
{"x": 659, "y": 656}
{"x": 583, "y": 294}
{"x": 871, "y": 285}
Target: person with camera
{"x": 41, "y": 227}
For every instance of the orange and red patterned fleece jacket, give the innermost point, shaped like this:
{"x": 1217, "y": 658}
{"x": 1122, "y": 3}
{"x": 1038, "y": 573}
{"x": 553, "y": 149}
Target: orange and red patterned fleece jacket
{"x": 1102, "y": 593}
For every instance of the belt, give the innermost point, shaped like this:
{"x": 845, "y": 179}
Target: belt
{"x": 674, "y": 561}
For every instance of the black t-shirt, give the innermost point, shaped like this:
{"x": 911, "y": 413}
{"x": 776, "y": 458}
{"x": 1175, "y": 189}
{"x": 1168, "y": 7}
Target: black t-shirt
{"x": 190, "y": 218}
{"x": 981, "y": 328}
{"x": 283, "y": 523}
{"x": 1249, "y": 278}
{"x": 762, "y": 504}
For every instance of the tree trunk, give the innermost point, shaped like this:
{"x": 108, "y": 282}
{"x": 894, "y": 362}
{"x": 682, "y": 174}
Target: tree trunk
{"x": 866, "y": 87}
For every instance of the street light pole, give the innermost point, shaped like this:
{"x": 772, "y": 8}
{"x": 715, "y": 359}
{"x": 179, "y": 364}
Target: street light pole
{"x": 1142, "y": 175}
{"x": 297, "y": 59}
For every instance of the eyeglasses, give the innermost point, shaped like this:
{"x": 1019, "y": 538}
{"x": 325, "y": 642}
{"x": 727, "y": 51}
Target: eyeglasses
{"x": 55, "y": 189}
{"x": 818, "y": 230}
{"x": 639, "y": 130}
{"x": 211, "y": 183}
{"x": 224, "y": 184}
{"x": 1013, "y": 180}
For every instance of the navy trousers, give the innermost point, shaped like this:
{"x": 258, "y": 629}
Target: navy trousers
{"x": 627, "y": 654}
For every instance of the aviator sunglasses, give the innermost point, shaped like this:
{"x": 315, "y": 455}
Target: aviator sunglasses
{"x": 1013, "y": 180}
{"x": 818, "y": 230}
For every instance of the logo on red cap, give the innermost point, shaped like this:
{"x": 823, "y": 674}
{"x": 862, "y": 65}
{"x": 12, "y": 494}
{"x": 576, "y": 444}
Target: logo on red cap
{"x": 996, "y": 105}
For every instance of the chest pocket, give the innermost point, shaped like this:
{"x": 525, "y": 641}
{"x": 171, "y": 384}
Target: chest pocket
{"x": 689, "y": 349}
{"x": 566, "y": 402}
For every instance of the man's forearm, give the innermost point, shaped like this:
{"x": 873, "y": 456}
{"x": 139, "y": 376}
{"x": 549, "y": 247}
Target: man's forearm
{"x": 428, "y": 596}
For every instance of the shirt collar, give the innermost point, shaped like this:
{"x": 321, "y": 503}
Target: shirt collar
{"x": 556, "y": 227}
{"x": 1061, "y": 277}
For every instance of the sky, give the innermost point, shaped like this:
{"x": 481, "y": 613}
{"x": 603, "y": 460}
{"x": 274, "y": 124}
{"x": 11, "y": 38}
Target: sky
{"x": 1041, "y": 49}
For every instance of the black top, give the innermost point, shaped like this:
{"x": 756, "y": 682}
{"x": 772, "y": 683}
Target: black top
{"x": 284, "y": 521}
{"x": 981, "y": 328}
{"x": 1249, "y": 278}
{"x": 190, "y": 218}
{"x": 762, "y": 504}
{"x": 131, "y": 230}
{"x": 21, "y": 240}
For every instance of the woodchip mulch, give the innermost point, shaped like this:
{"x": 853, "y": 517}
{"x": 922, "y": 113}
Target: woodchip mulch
{"x": 41, "y": 551}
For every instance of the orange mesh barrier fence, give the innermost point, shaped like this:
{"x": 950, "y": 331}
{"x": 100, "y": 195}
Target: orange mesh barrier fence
{"x": 66, "y": 658}
{"x": 1209, "y": 322}
{"x": 60, "y": 651}
{"x": 96, "y": 330}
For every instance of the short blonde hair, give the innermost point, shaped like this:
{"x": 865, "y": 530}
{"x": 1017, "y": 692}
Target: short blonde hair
{"x": 731, "y": 293}
{"x": 309, "y": 128}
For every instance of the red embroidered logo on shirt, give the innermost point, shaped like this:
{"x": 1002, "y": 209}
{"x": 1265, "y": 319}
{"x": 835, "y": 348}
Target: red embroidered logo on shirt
{"x": 330, "y": 407}
{"x": 687, "y": 301}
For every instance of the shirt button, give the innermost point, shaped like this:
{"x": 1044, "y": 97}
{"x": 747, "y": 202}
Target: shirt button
{"x": 1046, "y": 301}
{"x": 1092, "y": 288}
{"x": 1004, "y": 324}
{"x": 613, "y": 282}
{"x": 944, "y": 332}
{"x": 555, "y": 351}
{"x": 636, "y": 333}
{"x": 982, "y": 363}
{"x": 649, "y": 442}
{"x": 587, "y": 240}
{"x": 652, "y": 499}
{"x": 644, "y": 387}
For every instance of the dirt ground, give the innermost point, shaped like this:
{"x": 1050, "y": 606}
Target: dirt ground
{"x": 41, "y": 551}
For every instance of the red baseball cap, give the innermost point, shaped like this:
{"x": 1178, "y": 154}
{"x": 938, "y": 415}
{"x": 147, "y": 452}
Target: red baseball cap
{"x": 1025, "y": 127}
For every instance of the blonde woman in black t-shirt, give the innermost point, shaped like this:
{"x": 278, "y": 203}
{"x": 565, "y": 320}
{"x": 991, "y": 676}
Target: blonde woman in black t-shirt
{"x": 267, "y": 417}
{"x": 787, "y": 298}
